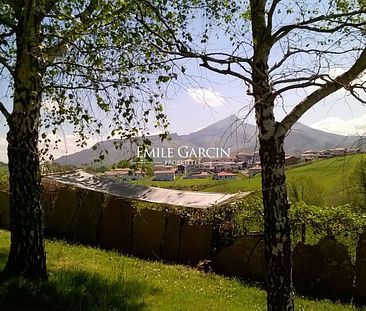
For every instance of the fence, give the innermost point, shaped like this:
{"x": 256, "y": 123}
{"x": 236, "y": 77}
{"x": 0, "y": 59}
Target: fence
{"x": 322, "y": 270}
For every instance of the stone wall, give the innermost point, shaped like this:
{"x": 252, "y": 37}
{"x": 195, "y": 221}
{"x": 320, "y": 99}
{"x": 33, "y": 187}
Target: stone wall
{"x": 324, "y": 270}
{"x": 4, "y": 210}
{"x": 111, "y": 222}
{"x": 360, "y": 271}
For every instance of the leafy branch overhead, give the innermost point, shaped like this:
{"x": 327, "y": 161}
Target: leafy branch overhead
{"x": 99, "y": 70}
{"x": 302, "y": 42}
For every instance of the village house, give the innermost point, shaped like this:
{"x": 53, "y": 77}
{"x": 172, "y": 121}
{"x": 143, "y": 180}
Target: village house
{"x": 242, "y": 165}
{"x": 202, "y": 175}
{"x": 254, "y": 171}
{"x": 208, "y": 167}
{"x": 163, "y": 167}
{"x": 164, "y": 175}
{"x": 224, "y": 175}
{"x": 338, "y": 152}
{"x": 291, "y": 160}
{"x": 125, "y": 174}
{"x": 325, "y": 154}
{"x": 328, "y": 153}
{"x": 248, "y": 158}
{"x": 309, "y": 155}
{"x": 180, "y": 170}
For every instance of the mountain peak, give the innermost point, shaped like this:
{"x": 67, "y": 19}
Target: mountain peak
{"x": 231, "y": 132}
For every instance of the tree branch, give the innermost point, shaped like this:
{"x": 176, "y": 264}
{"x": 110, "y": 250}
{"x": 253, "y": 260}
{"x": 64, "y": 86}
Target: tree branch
{"x": 4, "y": 111}
{"x": 297, "y": 86}
{"x": 5, "y": 63}
{"x": 58, "y": 49}
{"x": 15, "y": 5}
{"x": 328, "y": 88}
{"x": 334, "y": 29}
{"x": 4, "y": 20}
{"x": 283, "y": 31}
{"x": 270, "y": 14}
{"x": 292, "y": 52}
{"x": 227, "y": 71}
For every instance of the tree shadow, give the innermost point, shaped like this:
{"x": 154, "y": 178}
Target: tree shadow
{"x": 75, "y": 290}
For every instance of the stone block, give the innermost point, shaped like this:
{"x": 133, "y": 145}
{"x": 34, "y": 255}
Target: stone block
{"x": 195, "y": 243}
{"x": 244, "y": 258}
{"x": 170, "y": 247}
{"x": 48, "y": 201}
{"x": 323, "y": 270}
{"x": 116, "y": 225}
{"x": 148, "y": 232}
{"x": 64, "y": 212}
{"x": 360, "y": 270}
{"x": 4, "y": 209}
{"x": 86, "y": 225}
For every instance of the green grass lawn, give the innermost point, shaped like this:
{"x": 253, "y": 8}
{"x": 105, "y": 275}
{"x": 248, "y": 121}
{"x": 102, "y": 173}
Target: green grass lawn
{"x": 84, "y": 278}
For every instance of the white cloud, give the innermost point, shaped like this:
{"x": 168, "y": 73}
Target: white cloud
{"x": 355, "y": 126}
{"x": 207, "y": 97}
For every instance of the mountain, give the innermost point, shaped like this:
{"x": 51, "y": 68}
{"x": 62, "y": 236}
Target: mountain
{"x": 228, "y": 133}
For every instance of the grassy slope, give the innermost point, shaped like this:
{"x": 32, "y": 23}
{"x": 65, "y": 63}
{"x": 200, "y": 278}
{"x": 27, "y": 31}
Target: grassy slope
{"x": 82, "y": 278}
{"x": 331, "y": 174}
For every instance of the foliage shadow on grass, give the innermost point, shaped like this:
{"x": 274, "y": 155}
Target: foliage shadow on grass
{"x": 75, "y": 290}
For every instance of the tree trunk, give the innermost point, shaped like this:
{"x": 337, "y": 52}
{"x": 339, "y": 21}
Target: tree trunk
{"x": 277, "y": 227}
{"x": 27, "y": 255}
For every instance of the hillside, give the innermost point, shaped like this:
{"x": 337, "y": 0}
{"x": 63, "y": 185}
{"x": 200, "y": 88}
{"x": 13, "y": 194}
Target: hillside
{"x": 228, "y": 133}
{"x": 330, "y": 174}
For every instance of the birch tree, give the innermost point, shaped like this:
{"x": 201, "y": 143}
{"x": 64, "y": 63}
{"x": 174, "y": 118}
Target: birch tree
{"x": 75, "y": 62}
{"x": 276, "y": 48}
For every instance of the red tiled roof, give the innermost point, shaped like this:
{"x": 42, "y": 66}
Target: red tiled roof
{"x": 225, "y": 174}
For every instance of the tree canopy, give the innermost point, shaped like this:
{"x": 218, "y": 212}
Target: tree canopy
{"x": 98, "y": 69}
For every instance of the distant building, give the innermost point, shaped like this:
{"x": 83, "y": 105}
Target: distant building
{"x": 338, "y": 152}
{"x": 328, "y": 153}
{"x": 125, "y": 174}
{"x": 208, "y": 167}
{"x": 242, "y": 165}
{"x": 163, "y": 168}
{"x": 180, "y": 170}
{"x": 291, "y": 160}
{"x": 202, "y": 175}
{"x": 164, "y": 175}
{"x": 309, "y": 155}
{"x": 254, "y": 170}
{"x": 249, "y": 158}
{"x": 325, "y": 154}
{"x": 224, "y": 175}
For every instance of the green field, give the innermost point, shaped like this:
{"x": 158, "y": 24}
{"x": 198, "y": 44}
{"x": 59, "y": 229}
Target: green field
{"x": 242, "y": 183}
{"x": 331, "y": 174}
{"x": 88, "y": 279}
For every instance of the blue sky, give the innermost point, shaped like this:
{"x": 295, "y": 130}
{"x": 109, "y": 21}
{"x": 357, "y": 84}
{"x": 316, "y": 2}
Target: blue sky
{"x": 214, "y": 97}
